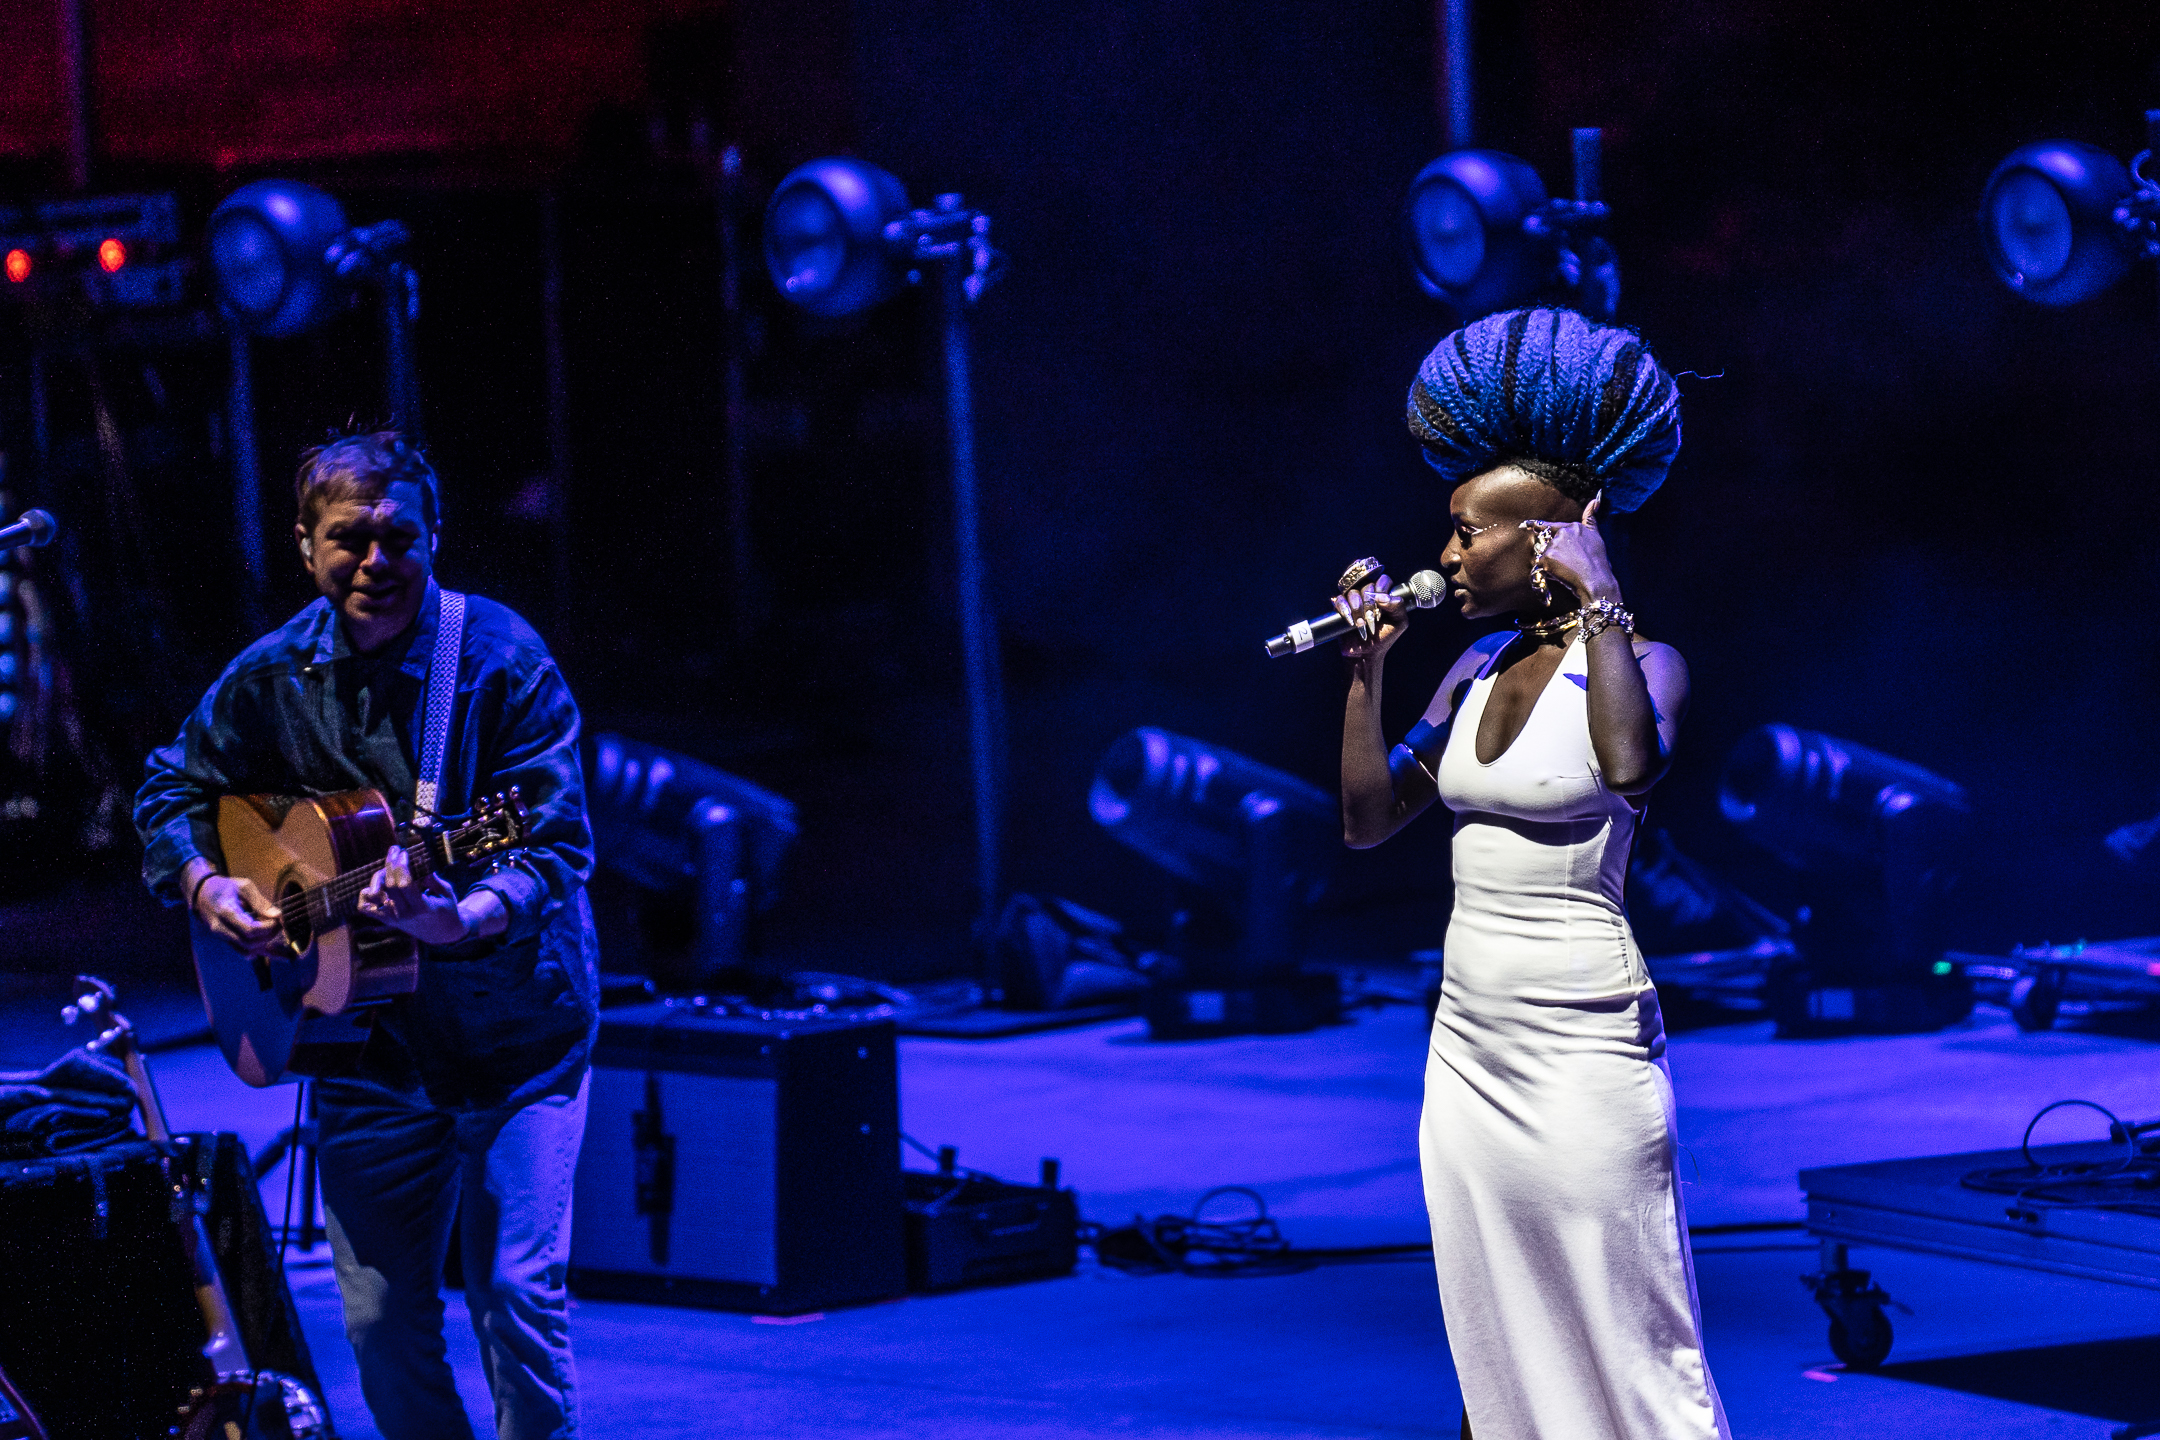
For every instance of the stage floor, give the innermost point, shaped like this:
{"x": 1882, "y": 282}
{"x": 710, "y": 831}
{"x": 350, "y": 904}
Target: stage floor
{"x": 1324, "y": 1126}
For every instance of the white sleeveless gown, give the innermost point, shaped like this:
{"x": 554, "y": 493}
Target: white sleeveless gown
{"x": 1547, "y": 1140}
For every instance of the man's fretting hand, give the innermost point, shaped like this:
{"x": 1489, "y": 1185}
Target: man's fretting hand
{"x": 426, "y": 909}
{"x": 429, "y": 910}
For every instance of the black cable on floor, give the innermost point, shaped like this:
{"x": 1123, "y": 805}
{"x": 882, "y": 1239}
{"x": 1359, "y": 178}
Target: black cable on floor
{"x": 2129, "y": 1183}
{"x": 1196, "y": 1245}
{"x": 1253, "y": 1245}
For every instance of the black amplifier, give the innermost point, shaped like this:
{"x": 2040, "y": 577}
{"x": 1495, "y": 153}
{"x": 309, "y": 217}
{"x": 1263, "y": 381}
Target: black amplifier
{"x": 973, "y": 1230}
{"x": 740, "y": 1163}
{"x": 100, "y": 1333}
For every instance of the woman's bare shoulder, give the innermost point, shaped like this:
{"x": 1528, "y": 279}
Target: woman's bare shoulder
{"x": 1465, "y": 669}
{"x": 1657, "y": 652}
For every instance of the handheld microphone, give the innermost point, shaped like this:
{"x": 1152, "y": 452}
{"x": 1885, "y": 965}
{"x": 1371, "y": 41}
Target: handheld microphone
{"x": 1423, "y": 590}
{"x": 36, "y": 527}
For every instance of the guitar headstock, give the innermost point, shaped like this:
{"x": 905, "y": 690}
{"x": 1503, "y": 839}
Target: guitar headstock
{"x": 497, "y": 825}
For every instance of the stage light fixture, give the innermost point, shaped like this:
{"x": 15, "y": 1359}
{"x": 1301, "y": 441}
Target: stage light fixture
{"x": 839, "y": 238}
{"x": 2061, "y": 220}
{"x": 1484, "y": 235}
{"x": 2064, "y": 220}
{"x": 677, "y": 828}
{"x": 268, "y": 245}
{"x": 111, "y": 255}
{"x": 18, "y": 266}
{"x": 1811, "y": 798}
{"x": 1875, "y": 840}
{"x": 1191, "y": 808}
{"x": 1256, "y": 847}
{"x": 825, "y": 240}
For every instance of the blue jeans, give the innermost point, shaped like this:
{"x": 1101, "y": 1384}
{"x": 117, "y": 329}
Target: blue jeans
{"x": 393, "y": 1169}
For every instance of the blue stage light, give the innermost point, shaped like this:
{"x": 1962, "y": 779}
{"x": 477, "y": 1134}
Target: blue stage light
{"x": 1193, "y": 809}
{"x": 1257, "y": 847}
{"x": 1465, "y": 228}
{"x": 2057, "y": 217}
{"x": 269, "y": 245}
{"x": 1813, "y": 799}
{"x": 675, "y": 826}
{"x": 825, "y": 240}
{"x": 1877, "y": 842}
{"x": 1484, "y": 235}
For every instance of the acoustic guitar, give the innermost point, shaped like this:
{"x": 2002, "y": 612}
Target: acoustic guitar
{"x": 294, "y": 1012}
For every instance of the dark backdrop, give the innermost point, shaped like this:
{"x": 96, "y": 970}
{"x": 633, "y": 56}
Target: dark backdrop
{"x": 1911, "y": 509}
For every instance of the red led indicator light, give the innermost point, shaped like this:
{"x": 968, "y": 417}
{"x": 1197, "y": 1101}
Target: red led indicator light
{"x": 18, "y": 266}
{"x": 111, "y": 255}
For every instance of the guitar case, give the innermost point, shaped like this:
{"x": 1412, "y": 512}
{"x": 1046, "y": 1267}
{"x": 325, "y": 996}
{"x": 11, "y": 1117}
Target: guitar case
{"x": 100, "y": 1333}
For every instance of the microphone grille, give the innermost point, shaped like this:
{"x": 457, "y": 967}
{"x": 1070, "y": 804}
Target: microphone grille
{"x": 1427, "y": 589}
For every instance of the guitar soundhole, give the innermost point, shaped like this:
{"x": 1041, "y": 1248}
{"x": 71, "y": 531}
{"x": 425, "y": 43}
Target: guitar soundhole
{"x": 298, "y": 932}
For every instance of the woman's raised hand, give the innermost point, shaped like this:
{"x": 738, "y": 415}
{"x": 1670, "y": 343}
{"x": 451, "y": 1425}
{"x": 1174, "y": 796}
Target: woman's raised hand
{"x": 1377, "y": 619}
{"x": 1575, "y": 555}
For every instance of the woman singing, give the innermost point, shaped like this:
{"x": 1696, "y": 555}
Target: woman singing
{"x": 1547, "y": 1139}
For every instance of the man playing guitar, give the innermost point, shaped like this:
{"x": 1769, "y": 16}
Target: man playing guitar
{"x": 474, "y": 1085}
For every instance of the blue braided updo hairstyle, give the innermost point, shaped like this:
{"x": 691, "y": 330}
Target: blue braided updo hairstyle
{"x": 1581, "y": 406}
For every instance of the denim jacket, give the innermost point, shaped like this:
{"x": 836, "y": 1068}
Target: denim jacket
{"x": 495, "y": 1021}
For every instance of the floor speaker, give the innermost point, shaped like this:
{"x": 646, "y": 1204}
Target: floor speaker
{"x": 740, "y": 1163}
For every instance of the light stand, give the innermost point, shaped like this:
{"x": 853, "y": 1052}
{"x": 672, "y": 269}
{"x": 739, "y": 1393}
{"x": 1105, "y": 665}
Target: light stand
{"x": 839, "y": 238}
{"x": 373, "y": 257}
{"x": 284, "y": 261}
{"x": 956, "y": 242}
{"x": 247, "y": 474}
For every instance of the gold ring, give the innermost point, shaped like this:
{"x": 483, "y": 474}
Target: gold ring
{"x": 1359, "y": 572}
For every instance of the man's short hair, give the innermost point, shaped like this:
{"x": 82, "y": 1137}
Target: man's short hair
{"x": 362, "y": 467}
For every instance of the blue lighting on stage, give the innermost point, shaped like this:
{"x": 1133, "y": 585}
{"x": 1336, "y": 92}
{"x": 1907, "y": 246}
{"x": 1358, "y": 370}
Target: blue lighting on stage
{"x": 267, "y": 244}
{"x": 2049, "y": 217}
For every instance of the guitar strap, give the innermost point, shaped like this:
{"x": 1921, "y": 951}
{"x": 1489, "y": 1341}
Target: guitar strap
{"x": 441, "y": 699}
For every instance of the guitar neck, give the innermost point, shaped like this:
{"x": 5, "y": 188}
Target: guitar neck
{"x": 338, "y": 898}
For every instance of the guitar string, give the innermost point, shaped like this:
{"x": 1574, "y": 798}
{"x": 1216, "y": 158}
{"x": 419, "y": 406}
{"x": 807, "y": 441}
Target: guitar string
{"x": 343, "y": 889}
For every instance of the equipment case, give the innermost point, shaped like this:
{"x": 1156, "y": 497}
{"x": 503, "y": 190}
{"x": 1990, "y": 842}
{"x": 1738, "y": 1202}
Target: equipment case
{"x": 740, "y": 1163}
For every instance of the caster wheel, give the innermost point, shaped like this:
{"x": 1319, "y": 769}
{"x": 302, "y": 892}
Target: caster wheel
{"x": 2034, "y": 1000}
{"x": 1866, "y": 1349}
